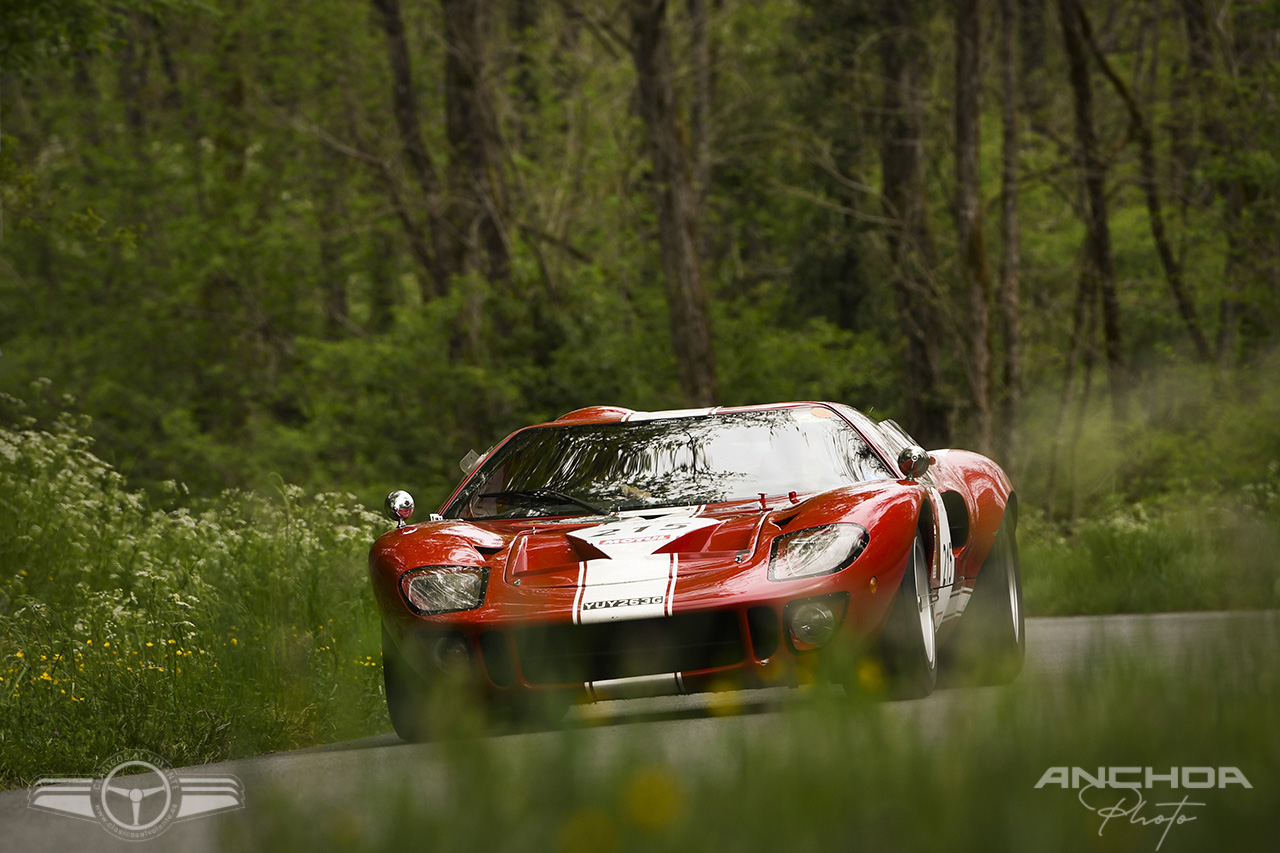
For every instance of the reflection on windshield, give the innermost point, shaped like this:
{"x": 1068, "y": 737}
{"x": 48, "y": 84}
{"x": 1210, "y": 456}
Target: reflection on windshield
{"x": 670, "y": 462}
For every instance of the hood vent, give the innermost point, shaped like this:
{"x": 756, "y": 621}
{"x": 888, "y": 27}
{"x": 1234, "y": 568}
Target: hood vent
{"x": 781, "y": 520}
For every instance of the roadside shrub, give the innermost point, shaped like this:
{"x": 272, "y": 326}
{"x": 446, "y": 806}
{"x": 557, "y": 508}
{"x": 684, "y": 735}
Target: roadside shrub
{"x": 237, "y": 627}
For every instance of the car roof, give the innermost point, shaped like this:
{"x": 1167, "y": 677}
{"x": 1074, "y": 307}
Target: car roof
{"x": 607, "y": 414}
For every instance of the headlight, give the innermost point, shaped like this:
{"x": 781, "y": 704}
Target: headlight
{"x": 444, "y": 589}
{"x": 816, "y": 551}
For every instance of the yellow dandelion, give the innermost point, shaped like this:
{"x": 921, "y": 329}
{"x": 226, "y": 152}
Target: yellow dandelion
{"x": 588, "y": 831}
{"x": 870, "y": 675}
{"x": 652, "y": 798}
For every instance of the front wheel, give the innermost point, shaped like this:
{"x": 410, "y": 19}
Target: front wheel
{"x": 407, "y": 694}
{"x": 907, "y": 646}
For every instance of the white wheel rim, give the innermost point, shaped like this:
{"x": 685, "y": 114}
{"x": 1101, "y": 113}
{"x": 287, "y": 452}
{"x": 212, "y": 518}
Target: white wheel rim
{"x": 923, "y": 605}
{"x": 1015, "y": 605}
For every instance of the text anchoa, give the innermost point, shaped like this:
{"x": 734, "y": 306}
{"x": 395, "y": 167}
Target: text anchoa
{"x": 1143, "y": 777}
{"x": 623, "y": 602}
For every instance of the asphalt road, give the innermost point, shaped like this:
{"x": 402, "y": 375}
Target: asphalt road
{"x": 681, "y": 725}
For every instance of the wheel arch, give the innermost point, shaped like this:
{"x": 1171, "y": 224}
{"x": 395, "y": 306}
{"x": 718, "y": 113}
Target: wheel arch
{"x": 926, "y": 528}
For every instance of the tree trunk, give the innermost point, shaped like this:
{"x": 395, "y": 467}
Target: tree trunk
{"x": 1032, "y": 45}
{"x": 524, "y": 32}
{"x": 974, "y": 269}
{"x": 476, "y": 187}
{"x": 700, "y": 104}
{"x": 1151, "y": 192}
{"x": 439, "y": 260}
{"x": 677, "y": 202}
{"x": 1229, "y": 306}
{"x": 1098, "y": 232}
{"x": 1191, "y": 92}
{"x": 382, "y": 282}
{"x": 333, "y": 218}
{"x": 1010, "y": 254}
{"x": 927, "y": 411}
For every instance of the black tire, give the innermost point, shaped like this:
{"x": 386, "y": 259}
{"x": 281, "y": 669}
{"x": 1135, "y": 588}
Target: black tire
{"x": 407, "y": 694}
{"x": 907, "y": 646}
{"x": 990, "y": 641}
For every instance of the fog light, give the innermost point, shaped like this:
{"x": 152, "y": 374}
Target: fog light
{"x": 813, "y": 623}
{"x": 452, "y": 653}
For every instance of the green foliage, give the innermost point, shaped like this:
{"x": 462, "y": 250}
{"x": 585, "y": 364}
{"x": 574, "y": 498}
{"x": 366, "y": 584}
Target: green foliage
{"x": 236, "y": 629}
{"x": 1213, "y": 553}
{"x": 35, "y": 31}
{"x": 206, "y": 251}
{"x": 205, "y": 240}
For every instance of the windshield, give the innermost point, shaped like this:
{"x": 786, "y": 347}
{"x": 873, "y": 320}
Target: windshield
{"x": 565, "y": 469}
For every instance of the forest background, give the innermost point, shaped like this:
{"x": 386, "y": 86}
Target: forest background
{"x": 347, "y": 245}
{"x": 251, "y": 255}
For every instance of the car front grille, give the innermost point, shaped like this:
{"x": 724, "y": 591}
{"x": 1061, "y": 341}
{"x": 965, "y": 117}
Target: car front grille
{"x": 574, "y": 654}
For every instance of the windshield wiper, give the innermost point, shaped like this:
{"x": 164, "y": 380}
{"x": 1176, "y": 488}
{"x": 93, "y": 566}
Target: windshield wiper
{"x": 546, "y": 496}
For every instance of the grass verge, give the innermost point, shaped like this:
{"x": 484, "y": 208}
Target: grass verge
{"x": 240, "y": 628}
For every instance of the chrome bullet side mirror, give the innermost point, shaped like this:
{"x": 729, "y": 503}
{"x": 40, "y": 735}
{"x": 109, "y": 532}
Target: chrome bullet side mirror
{"x": 913, "y": 462}
{"x": 400, "y": 506}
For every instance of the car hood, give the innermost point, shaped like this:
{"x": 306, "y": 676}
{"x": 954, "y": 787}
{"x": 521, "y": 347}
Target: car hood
{"x": 550, "y": 553}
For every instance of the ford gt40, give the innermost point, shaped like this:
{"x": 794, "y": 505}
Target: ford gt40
{"x": 614, "y": 553}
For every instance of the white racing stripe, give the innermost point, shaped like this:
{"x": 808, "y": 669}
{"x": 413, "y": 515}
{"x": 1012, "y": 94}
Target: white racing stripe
{"x": 625, "y": 588}
{"x": 577, "y": 596}
{"x": 670, "y": 413}
{"x": 631, "y": 581}
{"x": 671, "y": 585}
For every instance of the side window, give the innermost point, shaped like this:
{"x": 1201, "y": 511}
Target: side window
{"x": 896, "y": 435}
{"x": 493, "y": 481}
{"x": 863, "y": 462}
{"x": 883, "y": 443}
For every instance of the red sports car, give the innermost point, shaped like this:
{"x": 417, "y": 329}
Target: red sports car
{"x": 613, "y": 553}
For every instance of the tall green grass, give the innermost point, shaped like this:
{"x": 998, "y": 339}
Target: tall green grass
{"x": 956, "y": 773}
{"x": 237, "y": 628}
{"x": 1195, "y": 552}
